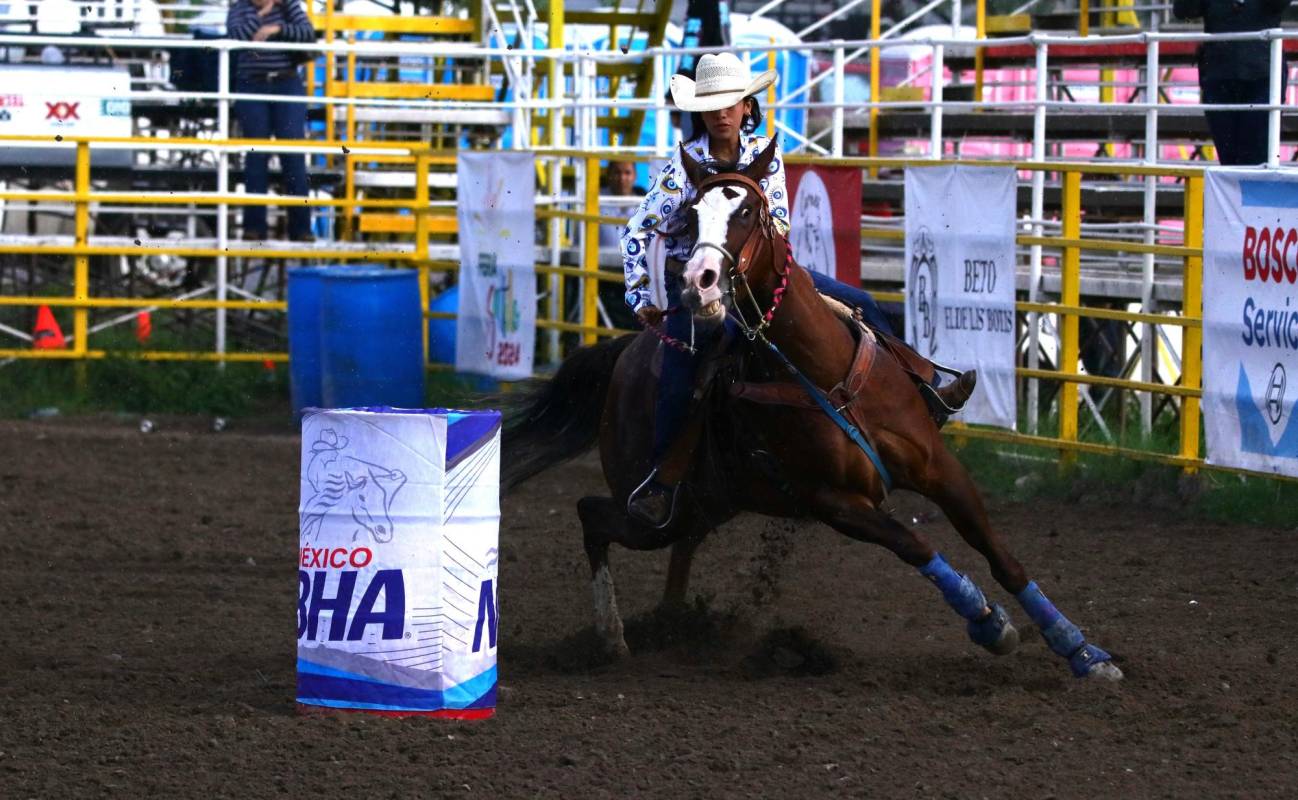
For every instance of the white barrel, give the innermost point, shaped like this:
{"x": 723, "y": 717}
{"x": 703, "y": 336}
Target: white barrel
{"x": 397, "y": 581}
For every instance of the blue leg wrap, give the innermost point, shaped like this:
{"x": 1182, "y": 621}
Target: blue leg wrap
{"x": 959, "y": 592}
{"x": 987, "y": 632}
{"x": 1063, "y": 636}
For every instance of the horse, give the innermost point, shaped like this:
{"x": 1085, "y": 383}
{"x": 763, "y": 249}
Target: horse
{"x": 769, "y": 445}
{"x": 366, "y": 489}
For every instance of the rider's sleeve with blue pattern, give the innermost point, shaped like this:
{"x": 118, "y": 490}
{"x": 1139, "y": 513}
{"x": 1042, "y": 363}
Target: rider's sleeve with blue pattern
{"x": 659, "y": 204}
{"x": 775, "y": 185}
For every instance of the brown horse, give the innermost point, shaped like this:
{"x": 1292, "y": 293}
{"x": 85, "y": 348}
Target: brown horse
{"x": 767, "y": 448}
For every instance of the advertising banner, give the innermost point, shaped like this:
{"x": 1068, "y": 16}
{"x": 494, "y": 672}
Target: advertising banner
{"x": 397, "y": 571}
{"x": 62, "y": 101}
{"x": 825, "y": 220}
{"x": 495, "y": 330}
{"x": 1250, "y": 318}
{"x": 960, "y": 279}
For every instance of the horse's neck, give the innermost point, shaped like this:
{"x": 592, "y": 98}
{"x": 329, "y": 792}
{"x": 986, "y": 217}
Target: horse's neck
{"x": 809, "y": 334}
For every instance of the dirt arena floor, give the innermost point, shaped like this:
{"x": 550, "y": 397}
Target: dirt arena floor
{"x": 148, "y": 595}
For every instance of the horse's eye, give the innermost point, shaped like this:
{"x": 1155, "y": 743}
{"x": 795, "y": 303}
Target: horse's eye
{"x": 746, "y": 212}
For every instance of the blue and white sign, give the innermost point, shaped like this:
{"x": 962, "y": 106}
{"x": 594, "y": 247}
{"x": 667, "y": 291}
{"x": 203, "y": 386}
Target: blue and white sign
{"x": 397, "y": 571}
{"x": 960, "y": 279}
{"x": 1250, "y": 318}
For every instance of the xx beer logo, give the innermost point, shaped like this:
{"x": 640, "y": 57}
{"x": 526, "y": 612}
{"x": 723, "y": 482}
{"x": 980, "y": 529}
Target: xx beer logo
{"x": 62, "y": 111}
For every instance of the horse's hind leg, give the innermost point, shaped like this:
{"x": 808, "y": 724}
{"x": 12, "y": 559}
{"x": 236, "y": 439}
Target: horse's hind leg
{"x": 854, "y": 515}
{"x": 955, "y": 492}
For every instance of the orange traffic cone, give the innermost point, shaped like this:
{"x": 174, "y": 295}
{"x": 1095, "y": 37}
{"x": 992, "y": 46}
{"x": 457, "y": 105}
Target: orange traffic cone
{"x": 143, "y": 327}
{"x": 47, "y": 335}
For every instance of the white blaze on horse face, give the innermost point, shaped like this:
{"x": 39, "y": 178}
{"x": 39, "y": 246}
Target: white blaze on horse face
{"x": 704, "y": 269}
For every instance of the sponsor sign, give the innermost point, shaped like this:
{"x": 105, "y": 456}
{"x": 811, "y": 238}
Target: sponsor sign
{"x": 65, "y": 101}
{"x": 960, "y": 279}
{"x": 825, "y": 220}
{"x": 1250, "y": 318}
{"x": 397, "y": 605}
{"x": 495, "y": 328}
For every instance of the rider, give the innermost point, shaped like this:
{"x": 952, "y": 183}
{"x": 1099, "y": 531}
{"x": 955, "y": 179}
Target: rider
{"x": 726, "y": 116}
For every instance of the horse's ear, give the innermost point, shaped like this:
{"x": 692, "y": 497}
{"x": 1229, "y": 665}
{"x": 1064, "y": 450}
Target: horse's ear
{"x": 692, "y": 169}
{"x": 757, "y": 170}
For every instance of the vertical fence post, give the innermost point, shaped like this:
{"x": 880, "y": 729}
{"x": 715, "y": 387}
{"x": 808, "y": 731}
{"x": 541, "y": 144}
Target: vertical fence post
{"x": 222, "y": 189}
{"x": 980, "y": 32}
{"x": 770, "y": 95}
{"x": 1192, "y": 305}
{"x": 836, "y": 146}
{"x": 1071, "y": 295}
{"x": 422, "y": 224}
{"x": 1149, "y": 334}
{"x": 660, "y": 104}
{"x": 590, "y": 253}
{"x": 81, "y": 263}
{"x": 1084, "y": 19}
{"x": 935, "y": 101}
{"x": 1038, "y": 211}
{"x": 1275, "y": 97}
{"x": 875, "y": 27}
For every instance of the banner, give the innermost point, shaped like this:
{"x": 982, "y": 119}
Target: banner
{"x": 65, "y": 101}
{"x": 1250, "y": 318}
{"x": 397, "y": 571}
{"x": 495, "y": 329}
{"x": 960, "y": 279}
{"x": 825, "y": 220}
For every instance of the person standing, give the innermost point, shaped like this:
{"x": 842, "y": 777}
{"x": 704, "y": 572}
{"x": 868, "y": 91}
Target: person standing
{"x": 271, "y": 72}
{"x": 1235, "y": 72}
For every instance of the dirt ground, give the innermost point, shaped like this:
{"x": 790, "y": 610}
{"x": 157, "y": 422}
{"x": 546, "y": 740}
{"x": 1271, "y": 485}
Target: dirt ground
{"x": 147, "y": 588}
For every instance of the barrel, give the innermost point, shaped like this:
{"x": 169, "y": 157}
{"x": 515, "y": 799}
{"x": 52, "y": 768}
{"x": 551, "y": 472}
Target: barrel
{"x": 371, "y": 336}
{"x": 304, "y": 286}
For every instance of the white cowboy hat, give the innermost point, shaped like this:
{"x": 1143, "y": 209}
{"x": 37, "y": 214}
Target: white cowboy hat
{"x": 722, "y": 81}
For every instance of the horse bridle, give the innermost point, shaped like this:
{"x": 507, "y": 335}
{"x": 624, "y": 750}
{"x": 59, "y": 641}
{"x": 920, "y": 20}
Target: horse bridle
{"x": 739, "y": 265}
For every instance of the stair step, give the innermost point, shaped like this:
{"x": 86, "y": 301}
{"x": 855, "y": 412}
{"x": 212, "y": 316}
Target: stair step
{"x": 1009, "y": 24}
{"x": 414, "y": 91}
{"x": 432, "y": 26}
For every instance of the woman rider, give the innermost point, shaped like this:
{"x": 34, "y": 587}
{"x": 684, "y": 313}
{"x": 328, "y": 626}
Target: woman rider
{"x": 726, "y": 115}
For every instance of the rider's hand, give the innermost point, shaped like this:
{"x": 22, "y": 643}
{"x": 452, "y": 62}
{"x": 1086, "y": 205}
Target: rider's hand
{"x": 650, "y": 316}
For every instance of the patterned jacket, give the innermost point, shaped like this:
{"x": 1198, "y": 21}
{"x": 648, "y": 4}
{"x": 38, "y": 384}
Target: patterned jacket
{"x": 671, "y": 189}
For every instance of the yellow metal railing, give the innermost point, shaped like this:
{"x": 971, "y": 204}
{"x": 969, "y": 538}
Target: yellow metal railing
{"x": 428, "y": 223}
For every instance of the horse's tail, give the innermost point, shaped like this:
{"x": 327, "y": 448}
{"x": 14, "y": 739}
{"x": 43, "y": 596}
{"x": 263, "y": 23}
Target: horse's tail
{"x": 559, "y": 419}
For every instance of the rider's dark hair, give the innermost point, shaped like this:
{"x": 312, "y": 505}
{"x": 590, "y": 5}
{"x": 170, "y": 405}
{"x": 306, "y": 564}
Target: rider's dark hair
{"x": 752, "y": 120}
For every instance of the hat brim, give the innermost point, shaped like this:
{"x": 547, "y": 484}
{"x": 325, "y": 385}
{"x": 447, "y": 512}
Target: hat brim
{"x": 684, "y": 93}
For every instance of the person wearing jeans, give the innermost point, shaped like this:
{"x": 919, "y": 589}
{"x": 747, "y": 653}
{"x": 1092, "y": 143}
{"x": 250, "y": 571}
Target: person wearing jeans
{"x": 271, "y": 72}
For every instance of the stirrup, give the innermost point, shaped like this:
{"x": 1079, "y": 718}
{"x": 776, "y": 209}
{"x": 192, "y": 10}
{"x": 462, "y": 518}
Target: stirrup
{"x": 671, "y": 509}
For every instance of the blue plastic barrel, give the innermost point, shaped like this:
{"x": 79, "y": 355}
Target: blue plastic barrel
{"x": 441, "y": 332}
{"x": 304, "y": 288}
{"x": 371, "y": 335}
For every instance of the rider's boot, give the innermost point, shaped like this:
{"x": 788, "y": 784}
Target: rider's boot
{"x": 654, "y": 501}
{"x": 950, "y": 398}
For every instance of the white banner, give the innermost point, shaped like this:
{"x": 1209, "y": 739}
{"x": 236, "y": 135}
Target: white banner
{"x": 64, "y": 101}
{"x": 397, "y": 592}
{"x": 495, "y": 330}
{"x": 1250, "y": 318}
{"x": 960, "y": 279}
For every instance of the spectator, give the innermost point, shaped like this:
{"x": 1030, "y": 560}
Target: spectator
{"x": 271, "y": 72}
{"x": 1235, "y": 72}
{"x": 619, "y": 181}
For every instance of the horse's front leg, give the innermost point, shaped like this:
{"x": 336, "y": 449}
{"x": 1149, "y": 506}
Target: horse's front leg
{"x": 950, "y": 486}
{"x": 854, "y": 515}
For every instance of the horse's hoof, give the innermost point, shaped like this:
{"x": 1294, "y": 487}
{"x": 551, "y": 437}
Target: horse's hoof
{"x": 995, "y": 633}
{"x": 617, "y": 650}
{"x": 1105, "y": 670}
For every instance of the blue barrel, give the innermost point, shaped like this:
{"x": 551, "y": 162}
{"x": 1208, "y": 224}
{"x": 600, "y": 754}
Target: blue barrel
{"x": 371, "y": 335}
{"x": 304, "y": 287}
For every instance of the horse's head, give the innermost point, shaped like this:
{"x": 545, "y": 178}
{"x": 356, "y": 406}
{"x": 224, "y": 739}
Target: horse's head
{"x": 371, "y": 499}
{"x": 726, "y": 220}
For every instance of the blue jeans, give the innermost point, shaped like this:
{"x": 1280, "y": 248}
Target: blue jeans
{"x": 1240, "y": 136}
{"x": 264, "y": 120}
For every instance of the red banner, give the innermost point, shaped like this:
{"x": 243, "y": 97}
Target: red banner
{"x": 825, "y": 225}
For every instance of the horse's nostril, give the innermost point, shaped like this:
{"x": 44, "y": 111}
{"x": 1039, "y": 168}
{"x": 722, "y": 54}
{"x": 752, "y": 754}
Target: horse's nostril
{"x": 707, "y": 279}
